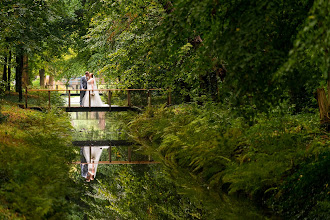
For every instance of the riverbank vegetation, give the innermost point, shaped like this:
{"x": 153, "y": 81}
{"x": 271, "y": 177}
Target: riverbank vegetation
{"x": 279, "y": 163}
{"x": 34, "y": 165}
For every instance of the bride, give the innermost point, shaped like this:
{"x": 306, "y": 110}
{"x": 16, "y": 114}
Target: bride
{"x": 94, "y": 95}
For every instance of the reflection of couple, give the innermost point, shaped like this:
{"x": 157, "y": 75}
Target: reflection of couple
{"x": 90, "y": 155}
{"x": 88, "y": 82}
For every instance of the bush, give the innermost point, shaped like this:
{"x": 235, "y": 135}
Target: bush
{"x": 306, "y": 193}
{"x": 225, "y": 153}
{"x": 35, "y": 163}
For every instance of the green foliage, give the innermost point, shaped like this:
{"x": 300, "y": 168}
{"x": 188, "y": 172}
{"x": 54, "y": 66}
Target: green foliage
{"x": 2, "y": 88}
{"x": 306, "y": 194}
{"x": 223, "y": 153}
{"x": 191, "y": 45}
{"x": 313, "y": 40}
{"x": 35, "y": 163}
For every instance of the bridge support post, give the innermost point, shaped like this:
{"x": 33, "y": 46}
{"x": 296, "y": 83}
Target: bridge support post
{"x": 149, "y": 98}
{"x": 69, "y": 99}
{"x": 49, "y": 99}
{"x": 109, "y": 99}
{"x": 110, "y": 151}
{"x": 129, "y": 98}
{"x": 129, "y": 153}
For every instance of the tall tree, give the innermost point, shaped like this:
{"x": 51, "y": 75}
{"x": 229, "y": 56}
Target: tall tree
{"x": 227, "y": 50}
{"x": 33, "y": 26}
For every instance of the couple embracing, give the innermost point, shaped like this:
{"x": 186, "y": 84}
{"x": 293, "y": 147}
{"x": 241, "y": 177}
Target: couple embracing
{"x": 88, "y": 82}
{"x": 90, "y": 156}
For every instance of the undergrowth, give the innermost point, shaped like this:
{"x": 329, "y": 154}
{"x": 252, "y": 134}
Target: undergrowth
{"x": 34, "y": 165}
{"x": 225, "y": 157}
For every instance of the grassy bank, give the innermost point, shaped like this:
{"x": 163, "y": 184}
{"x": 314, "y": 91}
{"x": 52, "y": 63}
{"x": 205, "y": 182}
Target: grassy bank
{"x": 34, "y": 165}
{"x": 279, "y": 164}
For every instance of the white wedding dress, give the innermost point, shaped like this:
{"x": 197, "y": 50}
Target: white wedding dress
{"x": 92, "y": 155}
{"x": 95, "y": 99}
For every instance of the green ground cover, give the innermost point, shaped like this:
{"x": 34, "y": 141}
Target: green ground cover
{"x": 280, "y": 163}
{"x": 34, "y": 166}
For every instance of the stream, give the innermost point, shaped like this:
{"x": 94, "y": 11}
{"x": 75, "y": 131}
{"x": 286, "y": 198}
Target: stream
{"x": 96, "y": 126}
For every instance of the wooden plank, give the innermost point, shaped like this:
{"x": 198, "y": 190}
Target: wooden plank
{"x": 97, "y": 143}
{"x": 75, "y": 94}
{"x": 61, "y": 90}
{"x": 92, "y": 109}
{"x": 119, "y": 162}
{"x": 101, "y": 109}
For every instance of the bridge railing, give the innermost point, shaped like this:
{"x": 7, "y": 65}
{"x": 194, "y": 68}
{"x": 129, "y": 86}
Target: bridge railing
{"x": 108, "y": 92}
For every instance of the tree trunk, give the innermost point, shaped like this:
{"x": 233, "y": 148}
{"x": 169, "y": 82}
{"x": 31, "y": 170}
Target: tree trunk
{"x": 323, "y": 107}
{"x": 4, "y": 76}
{"x": 42, "y": 78}
{"x": 51, "y": 81}
{"x": 25, "y": 71}
{"x": 19, "y": 68}
{"x": 9, "y": 71}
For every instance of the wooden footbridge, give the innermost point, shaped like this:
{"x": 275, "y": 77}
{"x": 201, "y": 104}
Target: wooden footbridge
{"x": 110, "y": 143}
{"x": 105, "y": 92}
{"x": 109, "y": 92}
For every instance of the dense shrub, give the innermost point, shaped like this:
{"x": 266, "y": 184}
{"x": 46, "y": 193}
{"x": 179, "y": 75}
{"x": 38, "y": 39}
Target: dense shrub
{"x": 226, "y": 154}
{"x": 306, "y": 193}
{"x": 34, "y": 164}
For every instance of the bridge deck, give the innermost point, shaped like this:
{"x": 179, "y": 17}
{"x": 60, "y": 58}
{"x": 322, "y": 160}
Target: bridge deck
{"x": 119, "y": 162}
{"x": 91, "y": 109}
{"x": 111, "y": 143}
{"x": 97, "y": 143}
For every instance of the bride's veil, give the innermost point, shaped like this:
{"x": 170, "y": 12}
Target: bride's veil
{"x": 95, "y": 85}
{"x": 97, "y": 99}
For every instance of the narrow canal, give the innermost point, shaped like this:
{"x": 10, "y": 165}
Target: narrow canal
{"x": 143, "y": 189}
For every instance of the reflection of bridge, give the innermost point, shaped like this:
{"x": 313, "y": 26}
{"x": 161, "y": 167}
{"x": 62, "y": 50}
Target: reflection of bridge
{"x": 108, "y": 92}
{"x": 111, "y": 143}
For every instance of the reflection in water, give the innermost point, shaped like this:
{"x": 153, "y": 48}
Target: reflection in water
{"x": 96, "y": 126}
{"x": 90, "y": 155}
{"x": 89, "y": 126}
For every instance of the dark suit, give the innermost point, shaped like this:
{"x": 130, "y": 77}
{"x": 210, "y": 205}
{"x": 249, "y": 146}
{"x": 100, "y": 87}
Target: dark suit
{"x": 84, "y": 167}
{"x": 83, "y": 85}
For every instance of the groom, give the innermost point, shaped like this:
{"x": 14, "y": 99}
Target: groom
{"x": 83, "y": 85}
{"x": 84, "y": 167}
